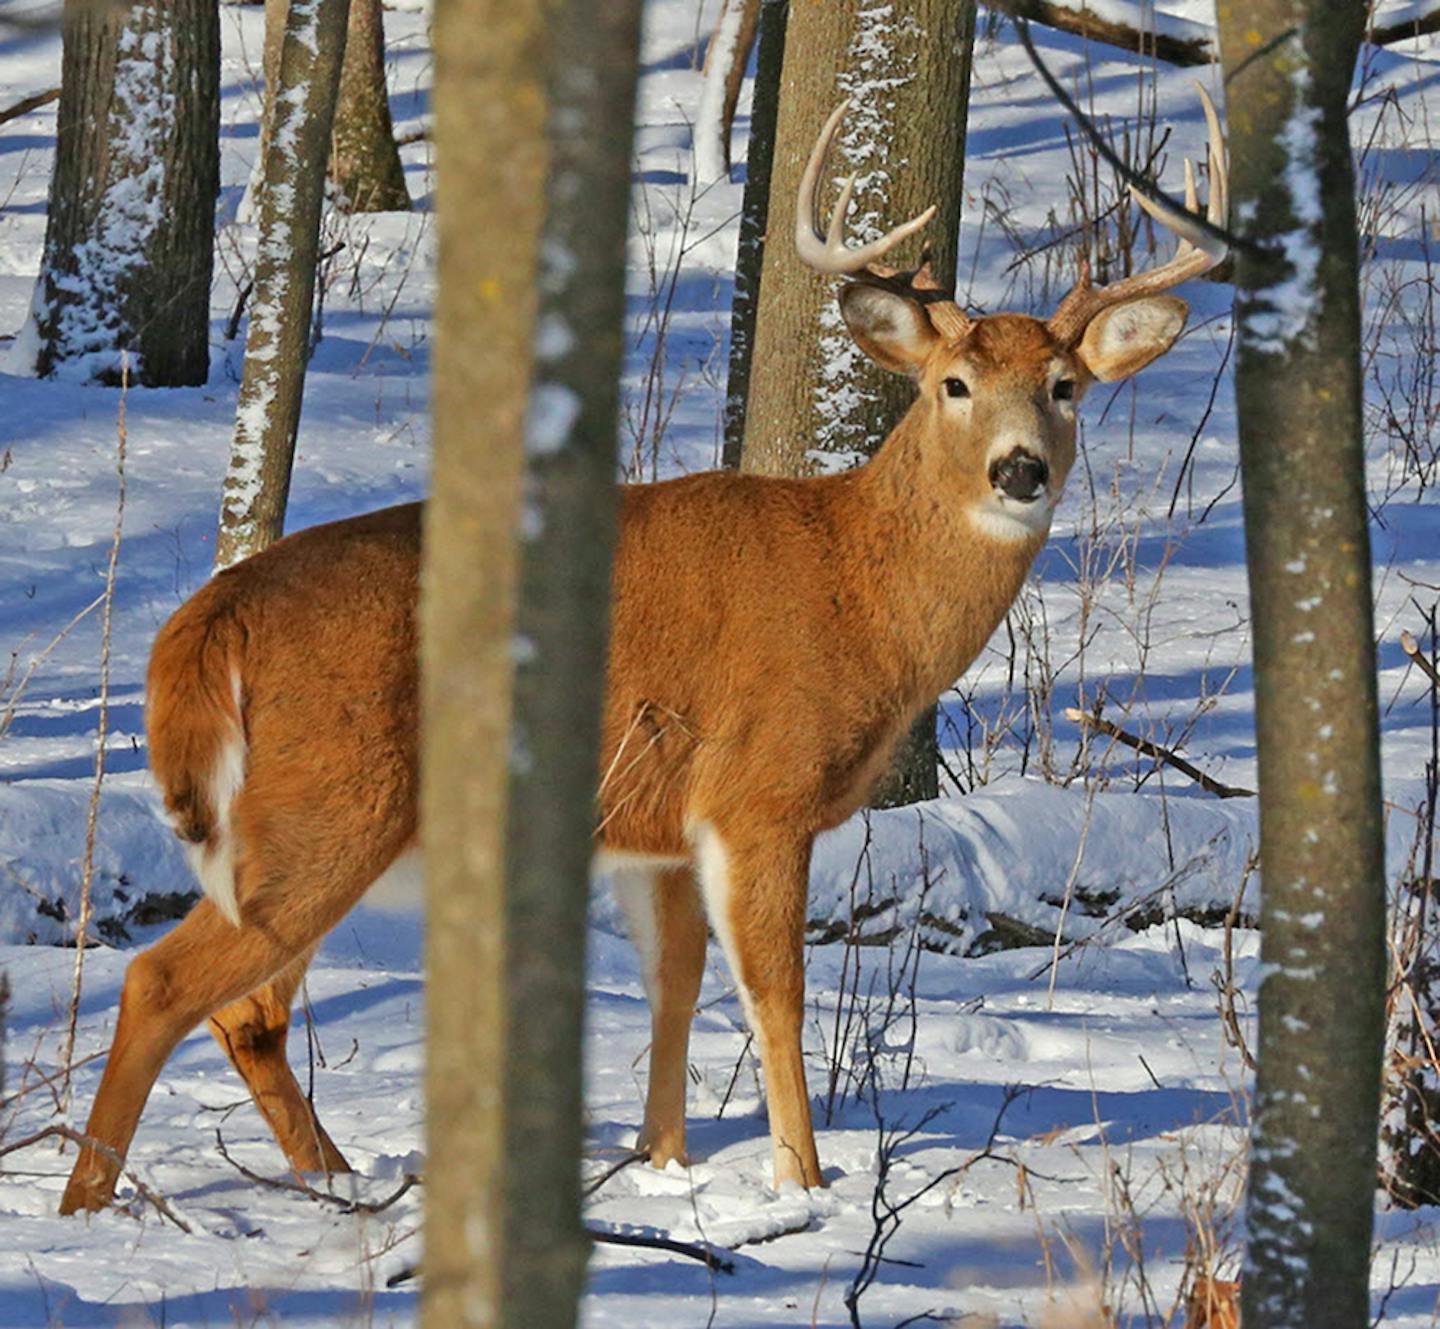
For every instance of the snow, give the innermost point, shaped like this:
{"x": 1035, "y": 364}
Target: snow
{"x": 1286, "y": 312}
{"x": 1129, "y": 1116}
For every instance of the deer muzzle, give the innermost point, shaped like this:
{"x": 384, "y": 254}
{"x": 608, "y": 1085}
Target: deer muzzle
{"x": 1019, "y": 475}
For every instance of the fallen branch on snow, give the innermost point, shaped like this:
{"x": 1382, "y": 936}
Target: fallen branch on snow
{"x": 1148, "y": 749}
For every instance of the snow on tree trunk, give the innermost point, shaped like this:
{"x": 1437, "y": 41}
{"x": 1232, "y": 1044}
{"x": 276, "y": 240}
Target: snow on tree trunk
{"x": 129, "y": 237}
{"x": 1288, "y": 65}
{"x": 364, "y": 159}
{"x": 725, "y": 59}
{"x": 257, "y": 483}
{"x": 815, "y": 402}
{"x": 513, "y": 659}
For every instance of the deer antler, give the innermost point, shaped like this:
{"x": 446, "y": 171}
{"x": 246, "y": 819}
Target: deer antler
{"x": 1199, "y": 250}
{"x": 826, "y": 251}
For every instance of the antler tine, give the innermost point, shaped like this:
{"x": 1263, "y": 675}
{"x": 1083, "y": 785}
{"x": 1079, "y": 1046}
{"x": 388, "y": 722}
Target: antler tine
{"x": 826, "y": 251}
{"x": 1198, "y": 251}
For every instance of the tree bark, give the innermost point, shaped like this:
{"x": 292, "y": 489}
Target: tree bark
{"x": 302, "y": 106}
{"x": 364, "y": 159}
{"x": 562, "y": 622}
{"x": 514, "y": 660}
{"x": 129, "y": 236}
{"x": 815, "y": 402}
{"x": 754, "y": 219}
{"x": 490, "y": 158}
{"x": 1288, "y": 66}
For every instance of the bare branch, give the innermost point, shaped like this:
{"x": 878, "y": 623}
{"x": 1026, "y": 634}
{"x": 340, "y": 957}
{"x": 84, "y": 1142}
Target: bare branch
{"x": 1411, "y": 647}
{"x": 27, "y": 104}
{"x": 151, "y": 1197}
{"x": 1149, "y": 749}
{"x": 1086, "y": 23}
{"x": 299, "y": 1186}
{"x": 1422, "y": 26}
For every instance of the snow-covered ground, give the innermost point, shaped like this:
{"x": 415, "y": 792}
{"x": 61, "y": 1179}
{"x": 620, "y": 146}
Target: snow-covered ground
{"x": 1119, "y": 1149}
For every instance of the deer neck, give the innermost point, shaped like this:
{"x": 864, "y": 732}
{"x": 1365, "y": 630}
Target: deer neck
{"x": 936, "y": 581}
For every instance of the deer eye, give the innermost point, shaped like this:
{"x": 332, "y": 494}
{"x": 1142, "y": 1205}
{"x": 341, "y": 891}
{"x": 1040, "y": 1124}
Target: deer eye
{"x": 955, "y": 387}
{"x": 1064, "y": 390}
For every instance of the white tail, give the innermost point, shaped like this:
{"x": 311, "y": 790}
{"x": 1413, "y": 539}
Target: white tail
{"x": 771, "y": 640}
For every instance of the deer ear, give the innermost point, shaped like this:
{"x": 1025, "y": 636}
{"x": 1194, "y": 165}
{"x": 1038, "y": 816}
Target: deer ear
{"x": 890, "y": 328}
{"x": 1123, "y": 339}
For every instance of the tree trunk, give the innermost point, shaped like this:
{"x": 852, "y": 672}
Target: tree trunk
{"x": 754, "y": 218}
{"x": 257, "y": 484}
{"x": 129, "y": 237}
{"x": 815, "y": 402}
{"x": 1288, "y": 65}
{"x": 508, "y": 855}
{"x": 275, "y": 12}
{"x": 562, "y": 622}
{"x": 364, "y": 160}
{"x": 490, "y": 157}
{"x": 725, "y": 61}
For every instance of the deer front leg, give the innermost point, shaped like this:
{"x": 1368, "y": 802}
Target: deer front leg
{"x": 755, "y": 893}
{"x": 667, "y": 925}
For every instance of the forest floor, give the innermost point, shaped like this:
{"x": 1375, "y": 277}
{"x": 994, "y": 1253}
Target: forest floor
{"x": 998, "y": 1127}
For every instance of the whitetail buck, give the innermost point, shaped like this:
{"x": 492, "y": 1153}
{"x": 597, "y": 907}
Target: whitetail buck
{"x": 771, "y": 641}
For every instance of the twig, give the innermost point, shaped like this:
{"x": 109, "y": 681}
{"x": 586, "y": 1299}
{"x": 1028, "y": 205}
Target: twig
{"x": 705, "y": 1255}
{"x": 17, "y": 690}
{"x": 242, "y": 298}
{"x": 634, "y": 1156}
{"x": 300, "y": 1187}
{"x": 1123, "y": 169}
{"x": 601, "y": 1236}
{"x": 92, "y": 816}
{"x": 735, "y": 1074}
{"x": 1224, "y": 980}
{"x": 27, "y": 104}
{"x": 1146, "y": 748}
{"x": 42, "y": 1080}
{"x": 106, "y": 1151}
{"x": 1411, "y": 647}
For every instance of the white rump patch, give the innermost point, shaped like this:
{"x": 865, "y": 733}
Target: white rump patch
{"x": 215, "y": 865}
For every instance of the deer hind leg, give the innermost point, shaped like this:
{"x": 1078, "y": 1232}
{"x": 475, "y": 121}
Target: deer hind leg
{"x": 290, "y": 897}
{"x": 755, "y": 893}
{"x": 252, "y": 1032}
{"x": 667, "y": 925}
{"x": 202, "y": 965}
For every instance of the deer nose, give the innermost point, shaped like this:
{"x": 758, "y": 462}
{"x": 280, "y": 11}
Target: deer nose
{"x": 1020, "y": 475}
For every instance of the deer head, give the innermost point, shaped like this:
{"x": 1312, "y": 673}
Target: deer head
{"x": 998, "y": 394}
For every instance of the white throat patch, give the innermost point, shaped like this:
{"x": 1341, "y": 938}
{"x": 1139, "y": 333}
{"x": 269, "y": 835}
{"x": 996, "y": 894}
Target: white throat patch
{"x": 1009, "y": 520}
